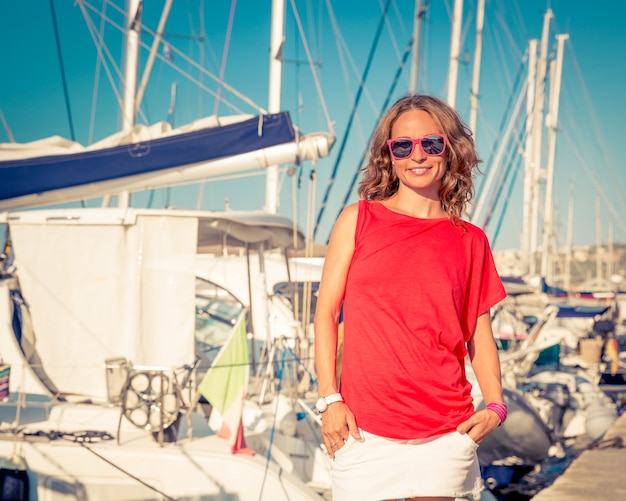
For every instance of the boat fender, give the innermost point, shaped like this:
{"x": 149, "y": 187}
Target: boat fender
{"x": 598, "y": 420}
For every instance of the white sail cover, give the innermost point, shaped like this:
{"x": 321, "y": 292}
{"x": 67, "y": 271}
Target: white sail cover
{"x": 103, "y": 284}
{"x": 55, "y": 170}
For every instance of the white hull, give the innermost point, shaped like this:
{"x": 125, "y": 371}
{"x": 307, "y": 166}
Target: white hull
{"x": 138, "y": 468}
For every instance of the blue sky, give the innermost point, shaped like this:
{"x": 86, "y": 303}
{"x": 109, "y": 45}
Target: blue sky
{"x": 592, "y": 105}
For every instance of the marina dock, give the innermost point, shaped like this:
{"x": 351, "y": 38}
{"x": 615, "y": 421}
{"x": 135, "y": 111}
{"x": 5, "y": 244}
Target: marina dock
{"x": 597, "y": 474}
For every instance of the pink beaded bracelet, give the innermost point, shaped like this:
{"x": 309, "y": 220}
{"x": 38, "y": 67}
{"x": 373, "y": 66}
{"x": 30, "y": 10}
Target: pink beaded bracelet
{"x": 499, "y": 408}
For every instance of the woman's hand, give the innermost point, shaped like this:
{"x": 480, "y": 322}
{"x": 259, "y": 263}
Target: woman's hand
{"x": 338, "y": 424}
{"x": 481, "y": 424}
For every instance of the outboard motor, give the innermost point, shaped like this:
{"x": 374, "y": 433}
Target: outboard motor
{"x": 604, "y": 327}
{"x": 560, "y": 397}
{"x": 14, "y": 485}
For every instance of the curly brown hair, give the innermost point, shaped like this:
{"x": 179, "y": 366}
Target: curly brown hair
{"x": 379, "y": 180}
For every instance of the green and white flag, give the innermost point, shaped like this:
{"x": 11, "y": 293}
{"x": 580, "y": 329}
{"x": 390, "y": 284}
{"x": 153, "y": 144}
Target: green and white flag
{"x": 226, "y": 383}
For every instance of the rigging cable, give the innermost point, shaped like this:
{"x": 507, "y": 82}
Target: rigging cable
{"x": 63, "y": 78}
{"x": 618, "y": 218}
{"x": 126, "y": 472}
{"x": 98, "y": 41}
{"x": 506, "y": 116}
{"x": 496, "y": 194}
{"x": 7, "y": 129}
{"x": 268, "y": 457}
{"x": 85, "y": 438}
{"x": 305, "y": 45}
{"x": 96, "y": 82}
{"x": 600, "y": 137}
{"x": 229, "y": 30}
{"x": 351, "y": 119}
{"x": 168, "y": 60}
{"x": 218, "y": 93}
{"x": 395, "y": 81}
{"x": 343, "y": 50}
{"x": 506, "y": 203}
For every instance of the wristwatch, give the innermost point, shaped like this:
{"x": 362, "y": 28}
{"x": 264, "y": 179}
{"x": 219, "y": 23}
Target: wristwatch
{"x": 323, "y": 402}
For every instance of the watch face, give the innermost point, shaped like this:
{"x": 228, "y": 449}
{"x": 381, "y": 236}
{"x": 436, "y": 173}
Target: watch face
{"x": 321, "y": 404}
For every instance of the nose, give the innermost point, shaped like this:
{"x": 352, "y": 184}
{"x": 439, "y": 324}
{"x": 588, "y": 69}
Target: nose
{"x": 417, "y": 154}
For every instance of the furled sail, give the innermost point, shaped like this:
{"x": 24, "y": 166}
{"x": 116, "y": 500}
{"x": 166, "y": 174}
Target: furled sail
{"x": 55, "y": 170}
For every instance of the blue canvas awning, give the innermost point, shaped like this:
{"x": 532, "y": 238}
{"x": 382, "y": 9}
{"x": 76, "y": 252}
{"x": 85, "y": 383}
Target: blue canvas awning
{"x": 581, "y": 311}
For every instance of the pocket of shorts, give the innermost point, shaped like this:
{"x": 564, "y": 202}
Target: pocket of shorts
{"x": 348, "y": 443}
{"x": 468, "y": 440}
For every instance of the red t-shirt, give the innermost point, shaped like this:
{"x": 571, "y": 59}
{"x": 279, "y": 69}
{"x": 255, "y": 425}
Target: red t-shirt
{"x": 414, "y": 291}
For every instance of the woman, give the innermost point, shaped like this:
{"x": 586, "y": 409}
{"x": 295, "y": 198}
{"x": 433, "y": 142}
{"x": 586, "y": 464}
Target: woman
{"x": 416, "y": 284}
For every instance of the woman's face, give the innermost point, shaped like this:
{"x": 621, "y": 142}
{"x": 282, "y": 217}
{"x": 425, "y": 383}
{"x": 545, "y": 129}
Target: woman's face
{"x": 418, "y": 172}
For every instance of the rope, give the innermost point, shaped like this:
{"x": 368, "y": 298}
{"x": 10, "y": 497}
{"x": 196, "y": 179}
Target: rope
{"x": 301, "y": 363}
{"x": 229, "y": 30}
{"x": 142, "y": 482}
{"x": 97, "y": 37}
{"x": 496, "y": 194}
{"x": 505, "y": 118}
{"x": 86, "y": 436}
{"x": 7, "y": 129}
{"x": 312, "y": 66}
{"x": 617, "y": 215}
{"x": 392, "y": 88}
{"x": 96, "y": 84}
{"x": 90, "y": 437}
{"x": 273, "y": 430}
{"x": 506, "y": 204}
{"x": 184, "y": 57}
{"x": 357, "y": 98}
{"x": 600, "y": 139}
{"x": 62, "y": 67}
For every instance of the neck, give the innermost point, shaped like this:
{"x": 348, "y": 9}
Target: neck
{"x": 417, "y": 205}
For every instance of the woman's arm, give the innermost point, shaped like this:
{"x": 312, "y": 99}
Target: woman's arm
{"x": 483, "y": 355}
{"x": 330, "y": 299}
{"x": 338, "y": 421}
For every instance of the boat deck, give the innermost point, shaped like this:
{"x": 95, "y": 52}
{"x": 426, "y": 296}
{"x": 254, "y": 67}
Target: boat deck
{"x": 598, "y": 473}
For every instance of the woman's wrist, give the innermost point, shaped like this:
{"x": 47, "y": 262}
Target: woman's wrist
{"x": 500, "y": 410}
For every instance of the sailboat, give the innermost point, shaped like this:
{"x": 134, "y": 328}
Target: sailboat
{"x": 105, "y": 318}
{"x": 98, "y": 324}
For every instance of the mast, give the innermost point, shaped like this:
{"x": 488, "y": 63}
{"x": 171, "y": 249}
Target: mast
{"x": 131, "y": 65}
{"x": 567, "y": 283}
{"x": 598, "y": 241}
{"x": 529, "y": 157}
{"x": 552, "y": 120}
{"x": 131, "y": 61}
{"x": 277, "y": 39}
{"x": 610, "y": 258}
{"x": 480, "y": 20}
{"x": 156, "y": 43}
{"x": 455, "y": 52}
{"x": 418, "y": 20}
{"x": 537, "y": 136}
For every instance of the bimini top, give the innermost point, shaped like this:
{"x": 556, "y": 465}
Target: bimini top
{"x": 228, "y": 228}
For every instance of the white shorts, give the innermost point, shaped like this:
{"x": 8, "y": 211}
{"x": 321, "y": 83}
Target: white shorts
{"x": 377, "y": 468}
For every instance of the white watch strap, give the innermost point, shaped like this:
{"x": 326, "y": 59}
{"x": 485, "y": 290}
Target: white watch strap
{"x": 332, "y": 398}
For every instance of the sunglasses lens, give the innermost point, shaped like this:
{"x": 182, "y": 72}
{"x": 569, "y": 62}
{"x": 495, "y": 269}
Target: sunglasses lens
{"x": 402, "y": 148}
{"x": 433, "y": 145}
